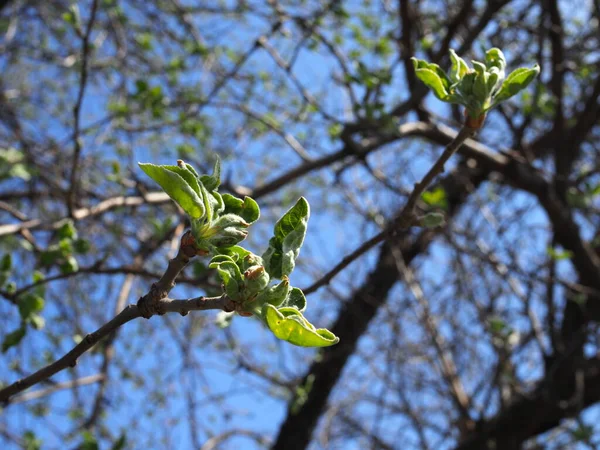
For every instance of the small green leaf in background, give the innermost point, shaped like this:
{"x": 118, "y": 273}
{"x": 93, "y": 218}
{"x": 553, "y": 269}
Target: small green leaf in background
{"x": 497, "y": 325}
{"x": 30, "y": 304}
{"x": 177, "y": 188}
{"x": 5, "y": 268}
{"x": 36, "y": 321}
{"x": 89, "y": 441}
{"x": 302, "y": 393}
{"x": 30, "y": 441}
{"x": 224, "y": 319}
{"x": 6, "y": 263}
{"x": 120, "y": 443}
{"x": 81, "y": 246}
{"x": 288, "y": 324}
{"x": 583, "y": 433}
{"x": 558, "y": 254}
{"x": 13, "y": 338}
{"x": 288, "y": 238}
{"x": 67, "y": 231}
{"x": 69, "y": 266}
{"x": 432, "y": 220}
{"x": 436, "y": 197}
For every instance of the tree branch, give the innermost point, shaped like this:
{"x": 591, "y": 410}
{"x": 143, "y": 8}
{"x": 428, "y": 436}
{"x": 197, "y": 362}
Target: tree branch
{"x": 131, "y": 312}
{"x": 407, "y": 217}
{"x": 155, "y": 302}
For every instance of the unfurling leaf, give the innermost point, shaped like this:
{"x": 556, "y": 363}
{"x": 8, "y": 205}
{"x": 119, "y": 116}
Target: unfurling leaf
{"x": 255, "y": 279}
{"x": 177, "y": 188}
{"x": 433, "y": 77}
{"x": 459, "y": 67}
{"x": 516, "y": 82}
{"x": 288, "y": 324}
{"x": 230, "y": 274}
{"x": 284, "y": 246}
{"x": 247, "y": 209}
{"x": 477, "y": 89}
{"x": 212, "y": 182}
{"x": 276, "y": 294}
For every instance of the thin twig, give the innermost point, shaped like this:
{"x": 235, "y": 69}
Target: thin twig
{"x": 34, "y": 395}
{"x": 77, "y": 108}
{"x": 155, "y": 302}
{"x": 131, "y": 312}
{"x": 406, "y": 218}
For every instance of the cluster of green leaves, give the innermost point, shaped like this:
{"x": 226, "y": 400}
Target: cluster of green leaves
{"x": 13, "y": 165}
{"x": 30, "y": 303}
{"x": 258, "y": 285}
{"x": 63, "y": 252}
{"x": 478, "y": 89}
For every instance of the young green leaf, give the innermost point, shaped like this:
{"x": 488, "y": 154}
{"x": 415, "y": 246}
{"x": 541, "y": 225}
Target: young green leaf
{"x": 436, "y": 197}
{"x": 218, "y": 259}
{"x": 183, "y": 170}
{"x": 284, "y": 246}
{"x": 212, "y": 182}
{"x": 177, "y": 188}
{"x": 30, "y": 304}
{"x": 518, "y": 80}
{"x": 288, "y": 324}
{"x": 247, "y": 209}
{"x": 276, "y": 294}
{"x": 296, "y": 299}
{"x": 235, "y": 252}
{"x": 67, "y": 231}
{"x": 36, "y": 321}
{"x": 81, "y": 246}
{"x": 232, "y": 279}
{"x": 217, "y": 204}
{"x": 433, "y": 77}
{"x": 494, "y": 58}
{"x": 208, "y": 204}
{"x": 459, "y": 67}
{"x": 432, "y": 220}
{"x": 227, "y": 230}
{"x": 255, "y": 280}
{"x": 70, "y": 265}
{"x": 13, "y": 338}
{"x": 6, "y": 263}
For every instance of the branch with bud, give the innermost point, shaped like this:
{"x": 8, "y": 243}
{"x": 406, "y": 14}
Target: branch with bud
{"x": 256, "y": 285}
